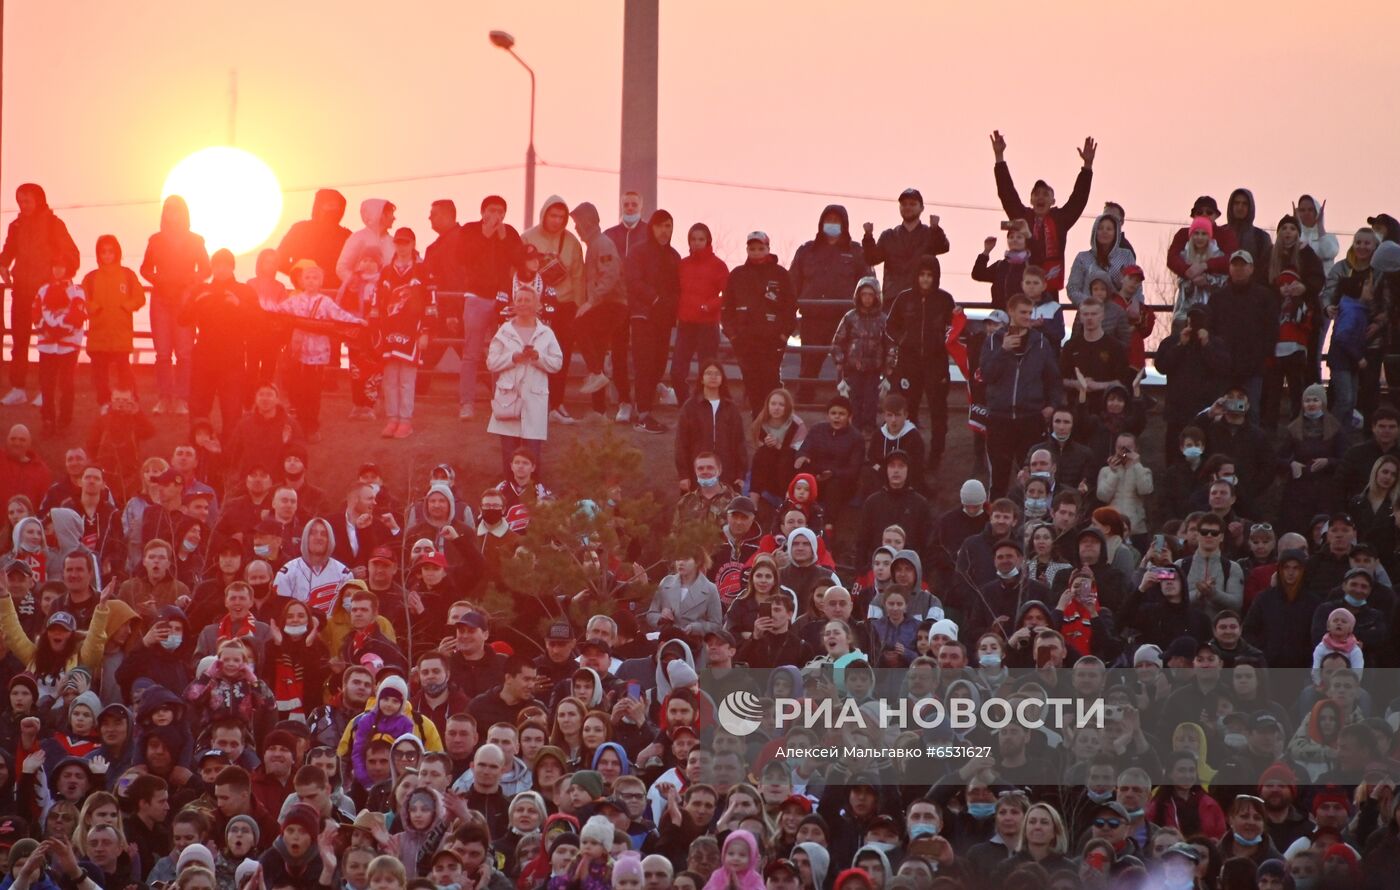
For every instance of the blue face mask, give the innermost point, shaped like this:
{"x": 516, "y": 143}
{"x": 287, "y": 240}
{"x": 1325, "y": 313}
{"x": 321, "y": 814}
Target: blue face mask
{"x": 1099, "y": 796}
{"x": 1353, "y": 601}
{"x": 172, "y": 642}
{"x": 922, "y": 829}
{"x": 262, "y": 550}
{"x": 831, "y": 229}
{"x": 1313, "y": 415}
{"x": 1037, "y": 506}
{"x": 1134, "y": 815}
{"x": 631, "y": 219}
{"x": 1192, "y": 452}
{"x": 1246, "y": 842}
{"x": 980, "y": 811}
{"x": 991, "y": 660}
{"x": 708, "y": 483}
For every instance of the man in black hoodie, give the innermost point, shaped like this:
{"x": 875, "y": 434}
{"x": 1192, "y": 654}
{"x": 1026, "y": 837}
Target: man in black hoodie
{"x": 918, "y": 323}
{"x": 826, "y": 269}
{"x": 894, "y": 504}
{"x": 1239, "y": 213}
{"x": 320, "y": 238}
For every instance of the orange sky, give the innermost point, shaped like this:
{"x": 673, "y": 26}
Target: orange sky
{"x": 820, "y": 95}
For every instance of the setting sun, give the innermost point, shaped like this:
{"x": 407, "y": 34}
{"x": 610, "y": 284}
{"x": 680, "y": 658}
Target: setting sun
{"x": 235, "y": 200}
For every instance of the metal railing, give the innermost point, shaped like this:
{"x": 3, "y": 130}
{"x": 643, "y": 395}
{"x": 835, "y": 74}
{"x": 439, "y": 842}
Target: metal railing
{"x": 975, "y": 309}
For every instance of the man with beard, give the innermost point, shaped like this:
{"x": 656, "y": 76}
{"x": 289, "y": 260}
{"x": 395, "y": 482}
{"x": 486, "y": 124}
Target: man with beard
{"x": 328, "y": 722}
{"x": 900, "y": 248}
{"x": 435, "y": 699}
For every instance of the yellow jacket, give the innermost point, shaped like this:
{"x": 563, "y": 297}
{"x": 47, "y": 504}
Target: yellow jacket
{"x": 88, "y": 654}
{"x": 427, "y": 732}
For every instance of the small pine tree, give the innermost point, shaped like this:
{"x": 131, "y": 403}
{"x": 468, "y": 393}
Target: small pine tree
{"x": 594, "y": 546}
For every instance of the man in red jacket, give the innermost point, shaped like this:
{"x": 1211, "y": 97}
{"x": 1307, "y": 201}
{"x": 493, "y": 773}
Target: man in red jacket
{"x": 21, "y": 470}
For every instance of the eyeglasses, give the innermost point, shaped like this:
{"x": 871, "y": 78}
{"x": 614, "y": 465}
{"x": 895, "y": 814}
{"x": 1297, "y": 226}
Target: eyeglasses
{"x": 1260, "y": 527}
{"x": 632, "y": 795}
{"x": 1209, "y": 532}
{"x": 1108, "y": 823}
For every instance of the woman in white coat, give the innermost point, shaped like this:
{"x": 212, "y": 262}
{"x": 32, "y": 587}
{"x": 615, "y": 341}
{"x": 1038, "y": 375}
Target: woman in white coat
{"x": 522, "y": 355}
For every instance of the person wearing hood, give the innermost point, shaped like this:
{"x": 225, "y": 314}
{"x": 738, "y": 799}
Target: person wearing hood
{"x": 176, "y": 264}
{"x": 758, "y": 312}
{"x": 1105, "y": 260}
{"x": 824, "y": 271}
{"x": 896, "y": 503}
{"x": 162, "y": 654}
{"x": 1239, "y": 217}
{"x": 1314, "y": 230}
{"x": 319, "y": 239}
{"x": 1049, "y": 224}
{"x": 602, "y": 314}
{"x": 804, "y": 573}
{"x": 817, "y": 864}
{"x": 315, "y": 577}
{"x": 116, "y": 729}
{"x": 702, "y": 276}
{"x": 1091, "y": 552}
{"x": 114, "y": 295}
{"x": 562, "y": 270}
{"x": 377, "y": 215}
{"x": 653, "y": 291}
{"x": 36, "y": 242}
{"x": 863, "y": 353}
{"x": 1244, "y": 313}
{"x": 919, "y": 319}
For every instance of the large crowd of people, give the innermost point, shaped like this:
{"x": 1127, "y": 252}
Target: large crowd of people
{"x": 220, "y": 676}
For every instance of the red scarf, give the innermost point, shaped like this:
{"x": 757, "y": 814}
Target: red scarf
{"x": 1077, "y": 630}
{"x": 229, "y": 631}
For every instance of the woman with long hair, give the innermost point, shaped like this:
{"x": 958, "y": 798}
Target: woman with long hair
{"x": 567, "y": 732}
{"x": 1372, "y": 510}
{"x": 710, "y": 421}
{"x": 763, "y": 586}
{"x": 595, "y": 732}
{"x": 1104, "y": 260}
{"x": 775, "y": 436}
{"x": 296, "y": 660}
{"x": 1042, "y": 563}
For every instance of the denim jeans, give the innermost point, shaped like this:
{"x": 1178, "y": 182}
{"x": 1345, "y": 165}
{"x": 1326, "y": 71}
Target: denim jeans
{"x": 479, "y": 321}
{"x": 397, "y": 389}
{"x": 171, "y": 340}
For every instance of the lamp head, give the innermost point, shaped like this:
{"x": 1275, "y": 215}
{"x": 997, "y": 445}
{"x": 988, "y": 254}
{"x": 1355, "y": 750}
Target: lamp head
{"x": 502, "y": 39}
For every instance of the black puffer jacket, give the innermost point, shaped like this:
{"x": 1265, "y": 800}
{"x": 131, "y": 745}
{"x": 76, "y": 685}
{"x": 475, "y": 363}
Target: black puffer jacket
{"x": 653, "y": 279}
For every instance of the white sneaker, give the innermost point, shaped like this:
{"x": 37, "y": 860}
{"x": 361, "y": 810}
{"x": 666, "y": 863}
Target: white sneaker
{"x": 562, "y": 415}
{"x": 15, "y": 396}
{"x": 665, "y": 395}
{"x": 37, "y": 401}
{"x": 624, "y": 413}
{"x": 466, "y": 412}
{"x": 594, "y": 383}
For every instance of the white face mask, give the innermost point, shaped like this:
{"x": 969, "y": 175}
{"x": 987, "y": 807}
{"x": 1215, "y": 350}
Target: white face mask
{"x": 295, "y": 630}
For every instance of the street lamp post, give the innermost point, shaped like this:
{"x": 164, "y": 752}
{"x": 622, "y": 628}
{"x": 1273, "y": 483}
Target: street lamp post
{"x": 506, "y": 42}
